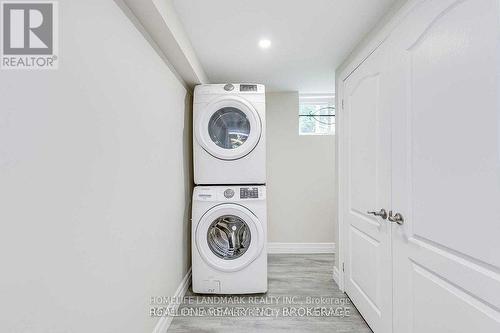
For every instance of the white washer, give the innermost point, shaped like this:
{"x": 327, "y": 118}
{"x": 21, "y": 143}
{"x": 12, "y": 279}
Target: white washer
{"x": 229, "y": 234}
{"x": 229, "y": 134}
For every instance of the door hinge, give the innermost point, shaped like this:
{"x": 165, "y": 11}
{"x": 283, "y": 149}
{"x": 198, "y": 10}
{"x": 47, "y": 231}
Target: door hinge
{"x": 343, "y": 267}
{"x": 342, "y": 104}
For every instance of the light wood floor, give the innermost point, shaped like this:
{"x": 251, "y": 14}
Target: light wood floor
{"x": 290, "y": 275}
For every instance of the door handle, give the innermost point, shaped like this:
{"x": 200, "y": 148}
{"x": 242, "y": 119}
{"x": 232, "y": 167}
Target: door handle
{"x": 382, "y": 213}
{"x": 398, "y": 218}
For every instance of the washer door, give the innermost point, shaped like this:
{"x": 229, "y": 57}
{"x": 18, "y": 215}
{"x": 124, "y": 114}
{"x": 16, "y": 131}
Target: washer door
{"x": 229, "y": 128}
{"x": 229, "y": 237}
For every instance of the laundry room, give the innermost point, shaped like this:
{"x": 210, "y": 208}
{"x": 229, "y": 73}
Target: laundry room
{"x": 176, "y": 166}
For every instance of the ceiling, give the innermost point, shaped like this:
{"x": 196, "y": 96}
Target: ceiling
{"x": 310, "y": 38}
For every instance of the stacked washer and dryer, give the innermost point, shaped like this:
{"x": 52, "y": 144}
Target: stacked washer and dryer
{"x": 229, "y": 220}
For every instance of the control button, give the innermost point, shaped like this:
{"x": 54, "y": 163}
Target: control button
{"x": 229, "y": 193}
{"x": 228, "y": 87}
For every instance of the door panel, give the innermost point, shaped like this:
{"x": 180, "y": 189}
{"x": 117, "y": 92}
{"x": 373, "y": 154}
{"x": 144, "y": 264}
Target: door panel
{"x": 363, "y": 158}
{"x": 458, "y": 311}
{"x": 366, "y": 179}
{"x": 365, "y": 261}
{"x": 446, "y": 168}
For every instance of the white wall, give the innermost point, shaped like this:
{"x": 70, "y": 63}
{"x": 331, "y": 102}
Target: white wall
{"x": 300, "y": 176}
{"x": 95, "y": 174}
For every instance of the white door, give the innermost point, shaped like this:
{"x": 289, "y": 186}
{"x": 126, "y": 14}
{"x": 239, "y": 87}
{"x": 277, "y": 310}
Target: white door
{"x": 446, "y": 168}
{"x": 366, "y": 180}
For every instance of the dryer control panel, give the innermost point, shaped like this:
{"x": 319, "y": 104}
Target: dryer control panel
{"x": 229, "y": 88}
{"x": 248, "y": 87}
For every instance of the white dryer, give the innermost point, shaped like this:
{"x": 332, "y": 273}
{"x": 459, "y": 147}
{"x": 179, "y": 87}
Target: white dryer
{"x": 229, "y": 134}
{"x": 229, "y": 234}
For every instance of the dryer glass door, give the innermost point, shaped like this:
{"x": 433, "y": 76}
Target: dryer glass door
{"x": 229, "y": 128}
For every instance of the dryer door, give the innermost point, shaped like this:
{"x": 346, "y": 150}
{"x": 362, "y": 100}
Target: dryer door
{"x": 229, "y": 128}
{"x": 229, "y": 237}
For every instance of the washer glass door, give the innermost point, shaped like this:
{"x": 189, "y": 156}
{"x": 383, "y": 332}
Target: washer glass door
{"x": 229, "y": 237}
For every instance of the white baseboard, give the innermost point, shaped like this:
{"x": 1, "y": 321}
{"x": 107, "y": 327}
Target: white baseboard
{"x": 304, "y": 248}
{"x": 336, "y": 275}
{"x": 165, "y": 321}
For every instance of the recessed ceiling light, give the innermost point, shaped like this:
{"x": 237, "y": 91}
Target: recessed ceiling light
{"x": 264, "y": 43}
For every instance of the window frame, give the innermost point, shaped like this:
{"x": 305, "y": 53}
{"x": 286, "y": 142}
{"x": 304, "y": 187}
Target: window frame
{"x": 328, "y": 100}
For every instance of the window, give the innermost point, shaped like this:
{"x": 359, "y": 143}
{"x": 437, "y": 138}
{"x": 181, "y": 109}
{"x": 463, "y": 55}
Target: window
{"x": 316, "y": 114}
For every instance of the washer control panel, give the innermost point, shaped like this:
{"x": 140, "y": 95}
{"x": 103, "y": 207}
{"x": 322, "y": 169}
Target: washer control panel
{"x": 249, "y": 193}
{"x": 229, "y": 193}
